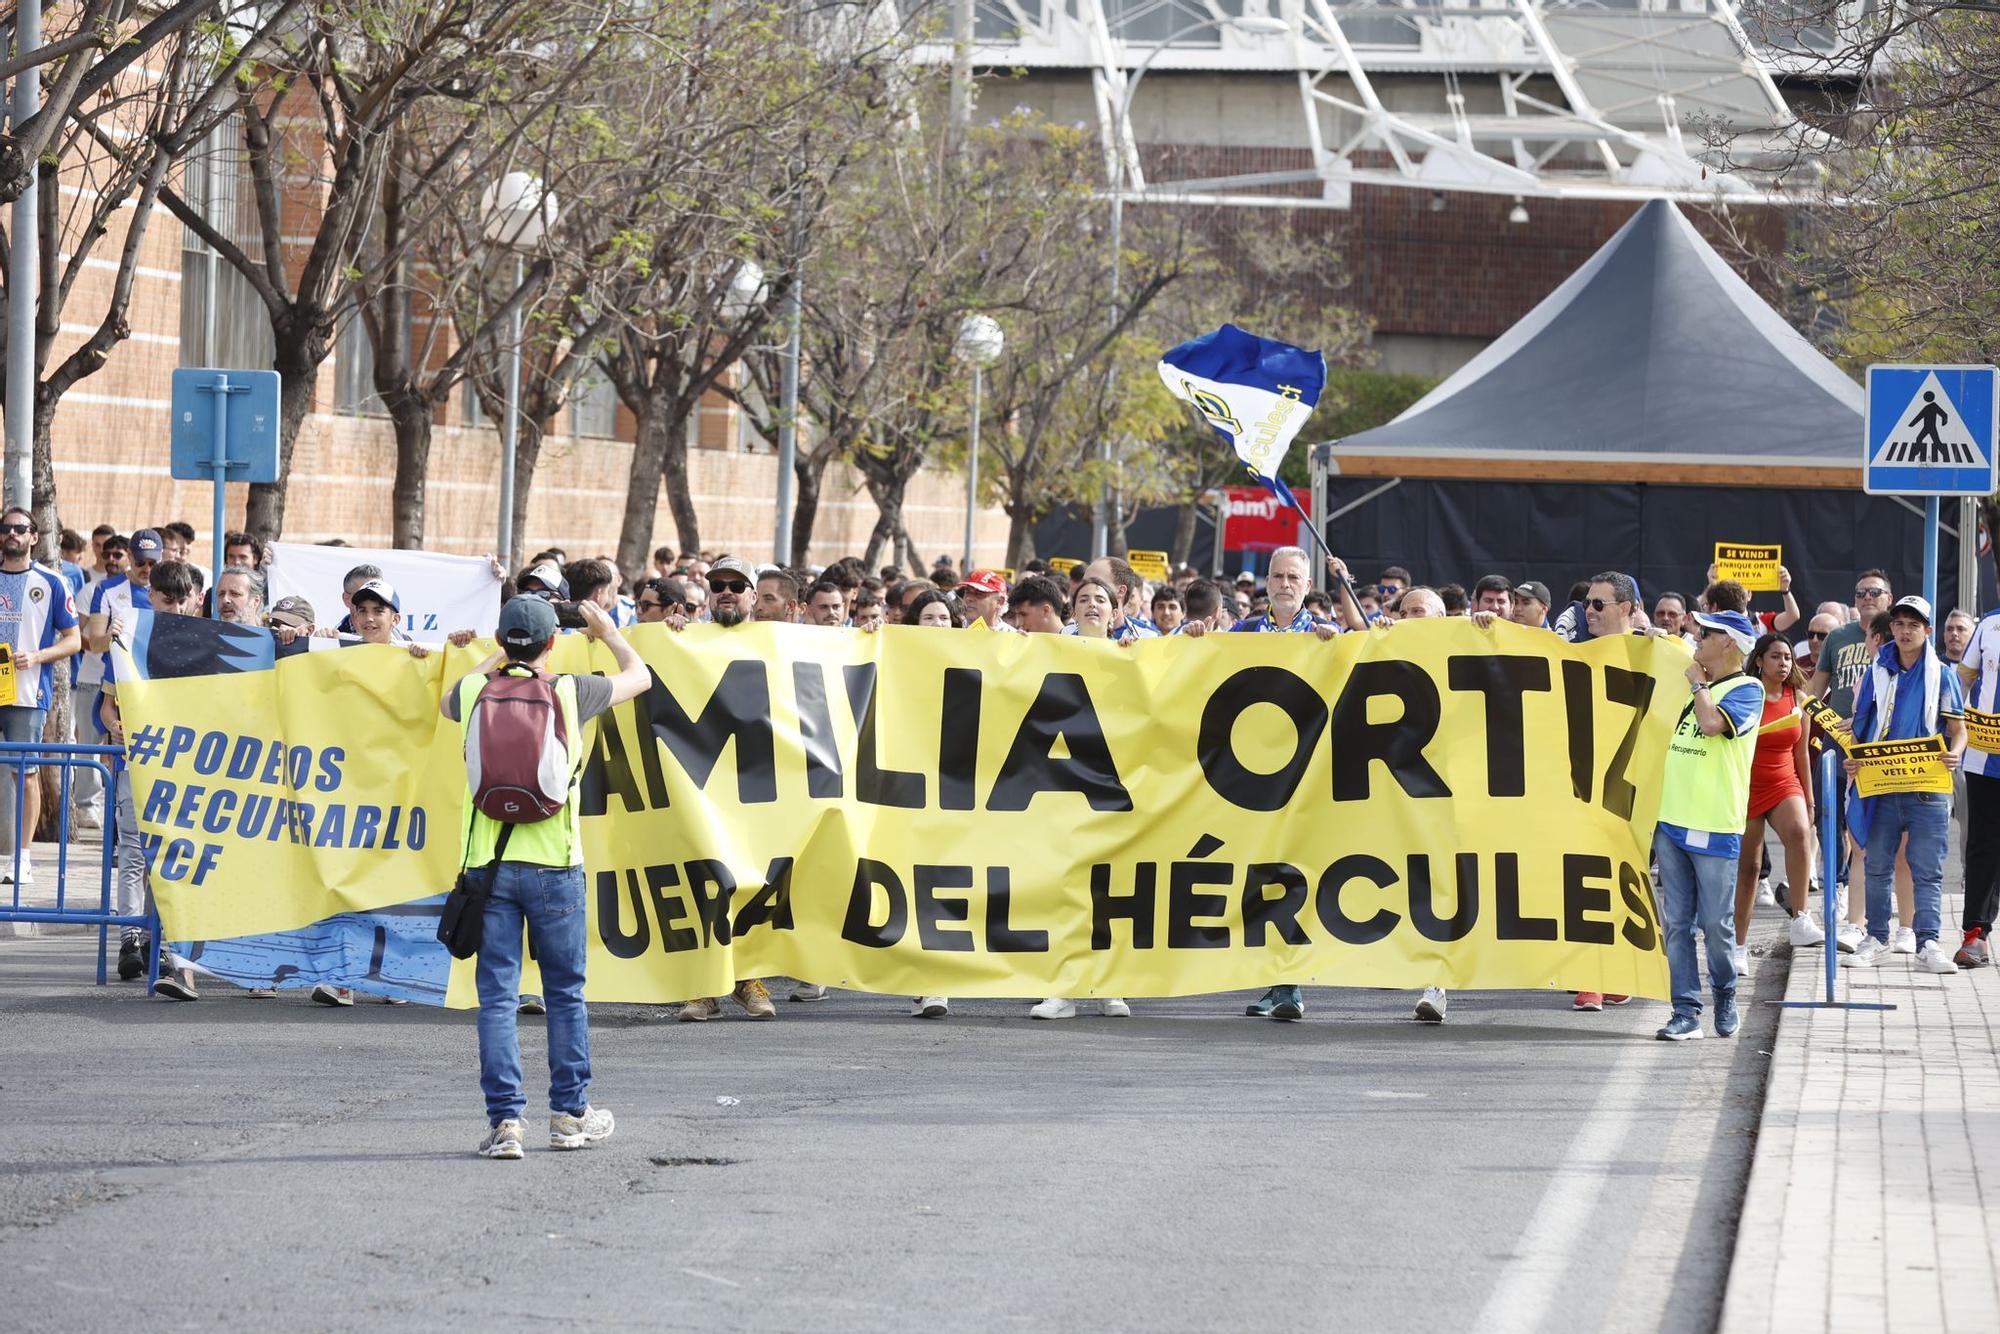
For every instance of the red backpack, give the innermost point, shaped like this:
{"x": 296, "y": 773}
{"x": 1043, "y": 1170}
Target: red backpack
{"x": 517, "y": 747}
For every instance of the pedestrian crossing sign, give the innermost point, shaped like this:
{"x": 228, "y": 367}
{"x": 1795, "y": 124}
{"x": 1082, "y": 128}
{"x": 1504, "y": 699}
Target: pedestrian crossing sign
{"x": 1931, "y": 431}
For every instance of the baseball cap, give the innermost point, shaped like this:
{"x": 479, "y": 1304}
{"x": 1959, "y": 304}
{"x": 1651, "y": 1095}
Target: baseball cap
{"x": 1732, "y": 623}
{"x": 1913, "y": 604}
{"x": 379, "y": 590}
{"x": 983, "y": 581}
{"x": 525, "y": 621}
{"x": 731, "y": 565}
{"x": 1246, "y": 578}
{"x": 293, "y": 611}
{"x": 147, "y": 546}
{"x": 547, "y": 575}
{"x": 1533, "y": 588}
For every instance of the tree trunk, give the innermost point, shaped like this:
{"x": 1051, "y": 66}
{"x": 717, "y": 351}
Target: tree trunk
{"x": 59, "y": 701}
{"x": 680, "y": 501}
{"x": 907, "y": 545}
{"x": 1184, "y": 527}
{"x": 301, "y": 349}
{"x": 527, "y": 452}
{"x": 809, "y": 472}
{"x": 655, "y": 414}
{"x": 411, "y": 413}
{"x": 1020, "y": 535}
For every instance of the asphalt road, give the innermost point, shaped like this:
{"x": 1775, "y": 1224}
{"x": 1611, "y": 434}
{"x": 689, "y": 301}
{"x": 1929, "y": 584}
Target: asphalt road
{"x": 277, "y": 1164}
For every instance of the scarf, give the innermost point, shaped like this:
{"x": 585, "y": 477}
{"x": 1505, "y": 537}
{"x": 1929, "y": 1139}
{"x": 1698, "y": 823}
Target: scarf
{"x": 1875, "y": 711}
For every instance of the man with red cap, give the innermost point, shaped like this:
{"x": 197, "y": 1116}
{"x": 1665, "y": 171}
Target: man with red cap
{"x": 984, "y": 594}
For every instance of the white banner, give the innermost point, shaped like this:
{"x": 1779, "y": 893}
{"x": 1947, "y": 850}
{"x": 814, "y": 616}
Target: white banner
{"x": 439, "y": 593}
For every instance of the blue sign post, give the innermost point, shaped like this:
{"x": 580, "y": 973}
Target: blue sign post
{"x": 1931, "y": 432}
{"x": 222, "y": 440}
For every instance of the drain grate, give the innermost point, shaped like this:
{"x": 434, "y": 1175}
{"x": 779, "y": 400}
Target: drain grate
{"x": 665, "y": 1160}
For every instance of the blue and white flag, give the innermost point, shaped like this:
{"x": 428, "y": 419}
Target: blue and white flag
{"x": 1256, "y": 393}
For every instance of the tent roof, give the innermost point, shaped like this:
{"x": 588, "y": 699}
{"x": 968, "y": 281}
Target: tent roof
{"x": 1654, "y": 358}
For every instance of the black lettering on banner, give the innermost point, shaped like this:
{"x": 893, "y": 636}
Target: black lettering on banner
{"x": 1185, "y": 904}
{"x": 1137, "y": 907}
{"x": 1582, "y": 899}
{"x": 1215, "y": 748}
{"x": 738, "y": 711}
{"x": 1502, "y": 678}
{"x": 823, "y": 770}
{"x": 609, "y": 771}
{"x": 1635, "y": 691}
{"x": 1580, "y": 706}
{"x": 771, "y": 905}
{"x": 860, "y": 926}
{"x": 958, "y": 740}
{"x": 1343, "y": 927}
{"x": 711, "y": 885}
{"x": 872, "y": 783}
{"x": 1002, "y": 937}
{"x": 1423, "y": 901}
{"x": 932, "y": 912}
{"x": 610, "y": 916}
{"x": 670, "y": 909}
{"x": 1062, "y": 711}
{"x": 1508, "y": 921}
{"x": 1399, "y": 743}
{"x": 1635, "y": 888}
{"x": 1262, "y": 913}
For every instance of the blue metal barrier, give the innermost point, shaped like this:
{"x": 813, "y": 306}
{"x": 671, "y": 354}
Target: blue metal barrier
{"x": 95, "y": 909}
{"x": 1829, "y": 847}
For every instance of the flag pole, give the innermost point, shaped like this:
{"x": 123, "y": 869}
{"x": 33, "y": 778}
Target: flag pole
{"x": 1320, "y": 541}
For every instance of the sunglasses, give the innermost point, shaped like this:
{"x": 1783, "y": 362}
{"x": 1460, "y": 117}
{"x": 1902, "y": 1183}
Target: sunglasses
{"x": 1599, "y": 604}
{"x": 1871, "y": 592}
{"x": 1816, "y": 634}
{"x": 17, "y": 528}
{"x": 728, "y": 586}
{"x": 649, "y": 606}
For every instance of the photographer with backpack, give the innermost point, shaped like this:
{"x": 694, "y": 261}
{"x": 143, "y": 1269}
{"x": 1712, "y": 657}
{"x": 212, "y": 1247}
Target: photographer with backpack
{"x": 524, "y": 752}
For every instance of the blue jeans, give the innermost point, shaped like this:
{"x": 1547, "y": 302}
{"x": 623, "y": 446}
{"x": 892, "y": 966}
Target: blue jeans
{"x": 550, "y": 899}
{"x": 1926, "y": 818}
{"x": 1697, "y": 890}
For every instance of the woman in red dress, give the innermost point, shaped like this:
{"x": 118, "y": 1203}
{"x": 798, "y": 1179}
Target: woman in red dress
{"x": 1780, "y": 793}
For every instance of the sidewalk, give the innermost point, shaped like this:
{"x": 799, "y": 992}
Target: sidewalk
{"x": 1874, "y": 1197}
{"x": 86, "y": 876}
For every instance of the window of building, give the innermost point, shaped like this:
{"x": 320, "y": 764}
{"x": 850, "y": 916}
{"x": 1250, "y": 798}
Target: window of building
{"x": 224, "y": 323}
{"x": 593, "y": 405}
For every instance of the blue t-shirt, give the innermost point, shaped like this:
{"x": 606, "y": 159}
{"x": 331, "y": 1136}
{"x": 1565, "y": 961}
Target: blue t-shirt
{"x": 1906, "y": 710}
{"x": 1264, "y": 625}
{"x": 1741, "y": 710}
{"x": 35, "y": 608}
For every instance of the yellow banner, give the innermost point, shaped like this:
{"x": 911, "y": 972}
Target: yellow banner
{"x": 1901, "y": 766}
{"x": 1982, "y": 731}
{"x": 972, "y": 815}
{"x": 1754, "y": 567}
{"x": 1063, "y": 564}
{"x": 1149, "y": 564}
{"x": 9, "y": 687}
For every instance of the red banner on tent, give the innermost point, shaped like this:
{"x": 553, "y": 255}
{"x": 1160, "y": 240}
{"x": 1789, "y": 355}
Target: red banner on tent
{"x": 1259, "y": 521}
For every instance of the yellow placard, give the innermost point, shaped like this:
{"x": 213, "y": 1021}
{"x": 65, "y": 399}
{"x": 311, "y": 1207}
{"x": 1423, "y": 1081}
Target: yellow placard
{"x": 1982, "y": 731}
{"x": 1063, "y": 564}
{"x": 1900, "y": 766}
{"x": 9, "y": 687}
{"x": 1754, "y": 567}
{"x": 980, "y": 815}
{"x": 1149, "y": 564}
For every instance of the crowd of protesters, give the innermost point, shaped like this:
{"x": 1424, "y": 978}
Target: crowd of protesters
{"x": 1878, "y": 662}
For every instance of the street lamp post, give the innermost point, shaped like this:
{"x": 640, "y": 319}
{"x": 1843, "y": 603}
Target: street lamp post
{"x": 979, "y": 345}
{"x": 519, "y": 210}
{"x": 1259, "y": 25}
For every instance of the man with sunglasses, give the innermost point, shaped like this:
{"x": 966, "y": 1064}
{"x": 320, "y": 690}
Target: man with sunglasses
{"x": 661, "y": 600}
{"x": 127, "y": 583}
{"x": 38, "y": 622}
{"x": 1844, "y": 654}
{"x": 729, "y": 599}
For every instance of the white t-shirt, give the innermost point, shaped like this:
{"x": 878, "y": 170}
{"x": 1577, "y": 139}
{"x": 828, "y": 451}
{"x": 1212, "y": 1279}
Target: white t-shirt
{"x": 1983, "y": 655}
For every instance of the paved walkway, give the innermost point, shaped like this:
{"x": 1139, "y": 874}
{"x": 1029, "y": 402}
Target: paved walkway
{"x": 86, "y": 875}
{"x": 1874, "y": 1197}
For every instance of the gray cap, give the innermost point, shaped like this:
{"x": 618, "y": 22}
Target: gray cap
{"x": 526, "y": 621}
{"x": 731, "y": 565}
{"x": 293, "y": 611}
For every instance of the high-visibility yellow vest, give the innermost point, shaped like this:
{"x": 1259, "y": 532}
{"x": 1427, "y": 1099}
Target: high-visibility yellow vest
{"x": 1707, "y": 780}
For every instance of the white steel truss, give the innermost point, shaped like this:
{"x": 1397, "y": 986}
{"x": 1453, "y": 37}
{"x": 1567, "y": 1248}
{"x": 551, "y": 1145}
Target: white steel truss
{"x": 1595, "y": 99}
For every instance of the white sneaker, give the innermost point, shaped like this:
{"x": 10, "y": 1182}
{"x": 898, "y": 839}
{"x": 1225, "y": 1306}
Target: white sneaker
{"x": 1116, "y": 1008}
{"x": 330, "y": 995}
{"x": 1764, "y": 894}
{"x": 7, "y": 870}
{"x": 1849, "y": 937}
{"x": 1903, "y": 940}
{"x": 502, "y": 1141}
{"x": 1932, "y": 958}
{"x": 1431, "y": 1008}
{"x": 1804, "y": 931}
{"x": 582, "y": 1130}
{"x": 808, "y": 991}
{"x": 1741, "y": 954}
{"x": 930, "y": 1007}
{"x": 1055, "y": 1007}
{"x": 1867, "y": 954}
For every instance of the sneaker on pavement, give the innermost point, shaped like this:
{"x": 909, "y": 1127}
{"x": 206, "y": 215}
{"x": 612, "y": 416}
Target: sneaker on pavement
{"x": 1431, "y": 1008}
{"x": 1764, "y": 894}
{"x": 1680, "y": 1028}
{"x": 502, "y": 1141}
{"x": 261, "y": 993}
{"x": 392, "y": 1000}
{"x": 1740, "y": 956}
{"x": 326, "y": 995}
{"x": 1868, "y": 953}
{"x": 1848, "y": 936}
{"x": 808, "y": 991}
{"x": 930, "y": 1007}
{"x": 1592, "y": 1001}
{"x": 1972, "y": 951}
{"x": 1055, "y": 1007}
{"x": 1290, "y": 1005}
{"x": 700, "y": 1010}
{"x": 1803, "y": 931}
{"x": 1612, "y": 998}
{"x": 170, "y": 986}
{"x": 1931, "y": 958}
{"x": 1781, "y": 895}
{"x": 131, "y": 961}
{"x": 533, "y": 1004}
{"x": 1727, "y": 1020}
{"x": 754, "y": 999}
{"x": 1116, "y": 1008}
{"x": 1903, "y": 940}
{"x": 581, "y": 1130}
{"x": 1261, "y": 1007}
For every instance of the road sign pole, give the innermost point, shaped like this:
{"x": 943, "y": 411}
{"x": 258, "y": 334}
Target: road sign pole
{"x": 221, "y": 466}
{"x": 1931, "y": 555}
